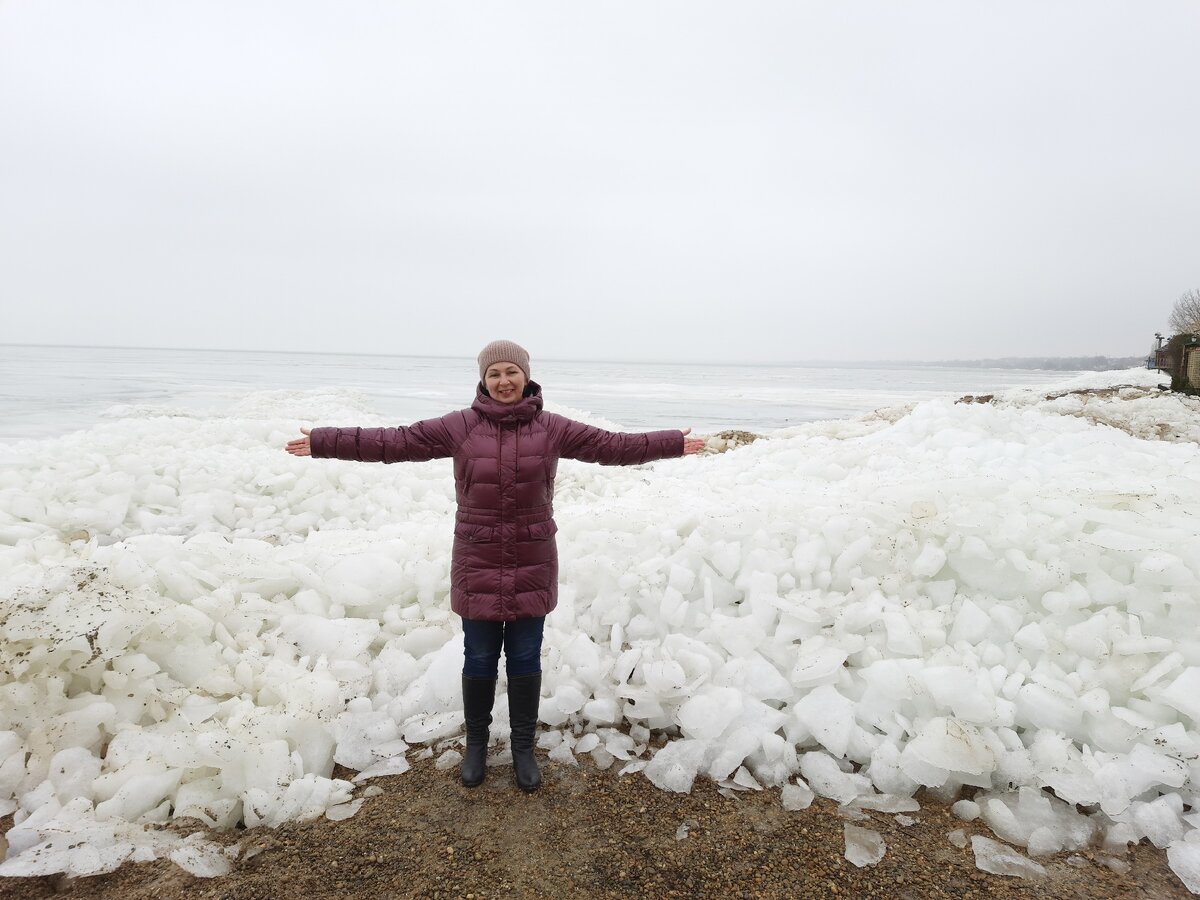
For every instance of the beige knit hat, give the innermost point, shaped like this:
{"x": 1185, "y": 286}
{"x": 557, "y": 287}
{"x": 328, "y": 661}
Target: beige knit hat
{"x": 503, "y": 351}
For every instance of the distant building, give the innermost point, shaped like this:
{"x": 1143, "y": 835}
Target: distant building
{"x": 1179, "y": 358}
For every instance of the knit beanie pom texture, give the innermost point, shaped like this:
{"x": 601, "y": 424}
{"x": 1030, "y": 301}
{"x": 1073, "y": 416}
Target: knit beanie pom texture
{"x": 503, "y": 351}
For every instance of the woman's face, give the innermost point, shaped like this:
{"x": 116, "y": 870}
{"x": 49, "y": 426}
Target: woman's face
{"x": 504, "y": 382}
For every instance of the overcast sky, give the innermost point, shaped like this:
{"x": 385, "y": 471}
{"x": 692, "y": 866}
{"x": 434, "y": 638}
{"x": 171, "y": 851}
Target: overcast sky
{"x": 691, "y": 180}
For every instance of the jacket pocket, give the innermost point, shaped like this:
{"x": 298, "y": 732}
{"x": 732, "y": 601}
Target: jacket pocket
{"x": 540, "y": 531}
{"x": 476, "y": 534}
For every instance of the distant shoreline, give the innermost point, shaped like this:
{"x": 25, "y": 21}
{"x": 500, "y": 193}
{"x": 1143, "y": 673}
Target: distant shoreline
{"x": 1047, "y": 363}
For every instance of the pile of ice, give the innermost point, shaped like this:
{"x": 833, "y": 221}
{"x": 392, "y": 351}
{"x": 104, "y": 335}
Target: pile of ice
{"x": 994, "y": 595}
{"x": 1129, "y": 400}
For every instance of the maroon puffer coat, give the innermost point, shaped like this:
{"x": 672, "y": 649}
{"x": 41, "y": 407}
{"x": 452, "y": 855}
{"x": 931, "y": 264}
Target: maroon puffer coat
{"x": 505, "y": 562}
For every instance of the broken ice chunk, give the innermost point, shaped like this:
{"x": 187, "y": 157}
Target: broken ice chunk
{"x": 562, "y": 754}
{"x": 343, "y": 810}
{"x": 1017, "y": 818}
{"x": 828, "y": 716}
{"x": 673, "y": 768}
{"x": 202, "y": 859}
{"x": 817, "y": 666}
{"x": 864, "y": 847}
{"x": 397, "y": 765}
{"x": 886, "y": 803}
{"x": 999, "y": 859}
{"x": 958, "y": 837}
{"x": 1160, "y": 820}
{"x": 1184, "y": 860}
{"x": 946, "y": 745}
{"x": 796, "y": 796}
{"x": 967, "y": 810}
{"x": 1182, "y": 693}
{"x": 1045, "y": 840}
{"x": 587, "y": 743}
{"x": 448, "y": 760}
{"x": 743, "y": 778}
{"x": 826, "y": 778}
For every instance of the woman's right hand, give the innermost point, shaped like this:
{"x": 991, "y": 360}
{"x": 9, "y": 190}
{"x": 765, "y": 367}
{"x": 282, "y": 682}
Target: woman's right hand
{"x": 301, "y": 446}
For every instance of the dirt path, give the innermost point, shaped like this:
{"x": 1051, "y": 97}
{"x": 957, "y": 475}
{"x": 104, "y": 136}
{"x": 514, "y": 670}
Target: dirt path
{"x": 591, "y": 834}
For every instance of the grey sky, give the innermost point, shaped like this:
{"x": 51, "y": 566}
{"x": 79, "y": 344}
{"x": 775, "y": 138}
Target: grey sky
{"x": 626, "y": 180}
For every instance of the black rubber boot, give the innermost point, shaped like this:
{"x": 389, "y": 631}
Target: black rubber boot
{"x": 524, "y": 693}
{"x": 478, "y": 696}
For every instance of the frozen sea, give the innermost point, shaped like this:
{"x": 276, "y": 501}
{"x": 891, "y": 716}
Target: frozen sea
{"x": 1001, "y": 598}
{"x": 46, "y": 391}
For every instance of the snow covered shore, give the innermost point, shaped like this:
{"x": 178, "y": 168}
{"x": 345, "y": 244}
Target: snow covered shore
{"x": 1003, "y": 595}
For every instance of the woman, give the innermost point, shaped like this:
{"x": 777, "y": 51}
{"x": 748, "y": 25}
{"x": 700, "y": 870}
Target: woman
{"x": 504, "y": 569}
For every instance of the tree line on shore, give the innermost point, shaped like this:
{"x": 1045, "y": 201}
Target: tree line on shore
{"x": 1185, "y": 316}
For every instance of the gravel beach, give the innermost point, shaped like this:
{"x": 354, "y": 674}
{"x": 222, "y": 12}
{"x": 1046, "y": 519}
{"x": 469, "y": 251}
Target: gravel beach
{"x": 589, "y": 833}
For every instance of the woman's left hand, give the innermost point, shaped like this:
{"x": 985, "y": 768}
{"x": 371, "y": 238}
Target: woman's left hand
{"x": 691, "y": 445}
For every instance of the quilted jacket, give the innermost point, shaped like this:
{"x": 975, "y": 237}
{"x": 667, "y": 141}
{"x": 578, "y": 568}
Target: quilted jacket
{"x": 505, "y": 561}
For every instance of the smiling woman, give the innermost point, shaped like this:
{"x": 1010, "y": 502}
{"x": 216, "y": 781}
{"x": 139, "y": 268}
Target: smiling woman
{"x": 504, "y": 371}
{"x": 504, "y": 569}
{"x": 505, "y": 382}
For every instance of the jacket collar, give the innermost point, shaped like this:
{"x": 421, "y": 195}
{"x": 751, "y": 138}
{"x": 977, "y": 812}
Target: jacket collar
{"x": 522, "y": 411}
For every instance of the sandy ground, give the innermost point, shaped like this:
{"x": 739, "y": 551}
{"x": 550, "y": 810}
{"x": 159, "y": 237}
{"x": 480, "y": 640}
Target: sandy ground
{"x": 588, "y": 833}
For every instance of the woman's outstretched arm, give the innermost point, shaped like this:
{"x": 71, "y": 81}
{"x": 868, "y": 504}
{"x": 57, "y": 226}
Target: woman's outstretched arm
{"x": 615, "y": 448}
{"x": 431, "y": 439}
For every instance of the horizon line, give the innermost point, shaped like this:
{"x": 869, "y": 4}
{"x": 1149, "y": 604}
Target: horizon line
{"x": 766, "y": 363}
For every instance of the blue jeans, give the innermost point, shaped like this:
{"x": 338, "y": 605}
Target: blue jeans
{"x": 521, "y": 639}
